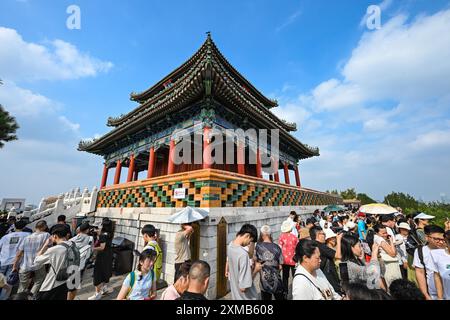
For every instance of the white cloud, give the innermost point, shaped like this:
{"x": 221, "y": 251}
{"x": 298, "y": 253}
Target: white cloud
{"x": 375, "y": 124}
{"x": 24, "y": 102}
{"x": 69, "y": 125}
{"x": 402, "y": 61}
{"x": 384, "y": 123}
{"x": 36, "y": 168}
{"x": 333, "y": 94}
{"x": 436, "y": 138}
{"x": 56, "y": 60}
{"x": 292, "y": 112}
{"x": 44, "y": 161}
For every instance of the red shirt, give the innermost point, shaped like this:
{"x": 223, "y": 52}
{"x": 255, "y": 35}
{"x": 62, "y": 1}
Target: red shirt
{"x": 288, "y": 242}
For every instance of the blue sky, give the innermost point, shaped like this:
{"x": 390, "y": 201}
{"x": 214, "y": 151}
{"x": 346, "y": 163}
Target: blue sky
{"x": 376, "y": 103}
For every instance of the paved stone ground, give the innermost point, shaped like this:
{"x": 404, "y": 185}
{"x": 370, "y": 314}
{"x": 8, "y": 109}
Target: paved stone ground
{"x": 87, "y": 288}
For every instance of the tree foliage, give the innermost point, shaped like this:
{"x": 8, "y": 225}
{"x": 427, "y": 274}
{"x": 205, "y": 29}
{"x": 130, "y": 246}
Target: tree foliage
{"x": 8, "y": 127}
{"x": 348, "y": 194}
{"x": 364, "y": 198}
{"x": 402, "y": 200}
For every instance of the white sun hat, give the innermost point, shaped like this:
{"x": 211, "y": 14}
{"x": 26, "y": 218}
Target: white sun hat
{"x": 404, "y": 225}
{"x": 423, "y": 216}
{"x": 350, "y": 225}
{"x": 329, "y": 233}
{"x": 287, "y": 226}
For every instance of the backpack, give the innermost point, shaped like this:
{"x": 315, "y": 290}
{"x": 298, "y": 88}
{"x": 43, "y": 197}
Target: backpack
{"x": 133, "y": 281}
{"x": 370, "y": 237}
{"x": 71, "y": 258}
{"x": 157, "y": 267}
{"x": 412, "y": 243}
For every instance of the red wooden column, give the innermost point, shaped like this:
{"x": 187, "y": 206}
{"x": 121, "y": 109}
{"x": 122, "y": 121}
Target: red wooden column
{"x": 118, "y": 171}
{"x": 131, "y": 169}
{"x": 258, "y": 164}
{"x": 297, "y": 177}
{"x": 206, "y": 152}
{"x": 241, "y": 157}
{"x": 276, "y": 176}
{"x": 286, "y": 174}
{"x": 171, "y": 165}
{"x": 151, "y": 163}
{"x": 104, "y": 176}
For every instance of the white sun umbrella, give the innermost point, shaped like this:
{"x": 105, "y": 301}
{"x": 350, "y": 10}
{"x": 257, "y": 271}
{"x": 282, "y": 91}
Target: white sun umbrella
{"x": 188, "y": 215}
{"x": 377, "y": 208}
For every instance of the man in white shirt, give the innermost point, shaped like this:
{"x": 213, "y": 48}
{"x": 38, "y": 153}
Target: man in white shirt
{"x": 9, "y": 246}
{"x": 426, "y": 277}
{"x": 240, "y": 271}
{"x": 309, "y": 281}
{"x": 84, "y": 243}
{"x": 26, "y": 253}
{"x": 441, "y": 259}
{"x": 441, "y": 266}
{"x": 55, "y": 256}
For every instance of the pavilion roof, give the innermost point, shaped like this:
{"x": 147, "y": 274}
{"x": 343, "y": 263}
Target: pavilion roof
{"x": 189, "y": 83}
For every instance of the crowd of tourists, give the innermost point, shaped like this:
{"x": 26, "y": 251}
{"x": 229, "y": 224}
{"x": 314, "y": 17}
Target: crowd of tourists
{"x": 343, "y": 255}
{"x": 329, "y": 256}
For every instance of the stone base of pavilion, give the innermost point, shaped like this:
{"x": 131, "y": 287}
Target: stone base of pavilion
{"x": 231, "y": 200}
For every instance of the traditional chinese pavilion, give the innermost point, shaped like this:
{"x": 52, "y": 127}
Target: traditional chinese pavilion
{"x": 204, "y": 94}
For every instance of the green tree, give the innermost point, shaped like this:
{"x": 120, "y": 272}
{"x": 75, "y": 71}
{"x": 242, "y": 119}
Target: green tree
{"x": 348, "y": 194}
{"x": 364, "y": 198}
{"x": 8, "y": 127}
{"x": 402, "y": 200}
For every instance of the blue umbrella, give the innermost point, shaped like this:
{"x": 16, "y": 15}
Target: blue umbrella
{"x": 333, "y": 207}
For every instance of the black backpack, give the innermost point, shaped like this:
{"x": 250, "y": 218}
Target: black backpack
{"x": 71, "y": 258}
{"x": 370, "y": 237}
{"x": 412, "y": 243}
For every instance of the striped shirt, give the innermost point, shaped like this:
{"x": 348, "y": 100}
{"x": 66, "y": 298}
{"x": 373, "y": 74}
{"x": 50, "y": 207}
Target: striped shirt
{"x": 30, "y": 247}
{"x": 9, "y": 245}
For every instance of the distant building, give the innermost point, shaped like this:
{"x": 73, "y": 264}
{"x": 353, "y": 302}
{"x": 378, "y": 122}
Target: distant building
{"x": 8, "y": 203}
{"x": 352, "y": 203}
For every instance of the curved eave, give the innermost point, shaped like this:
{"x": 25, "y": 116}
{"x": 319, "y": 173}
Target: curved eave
{"x": 195, "y": 71}
{"x": 175, "y": 74}
{"x": 190, "y": 91}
